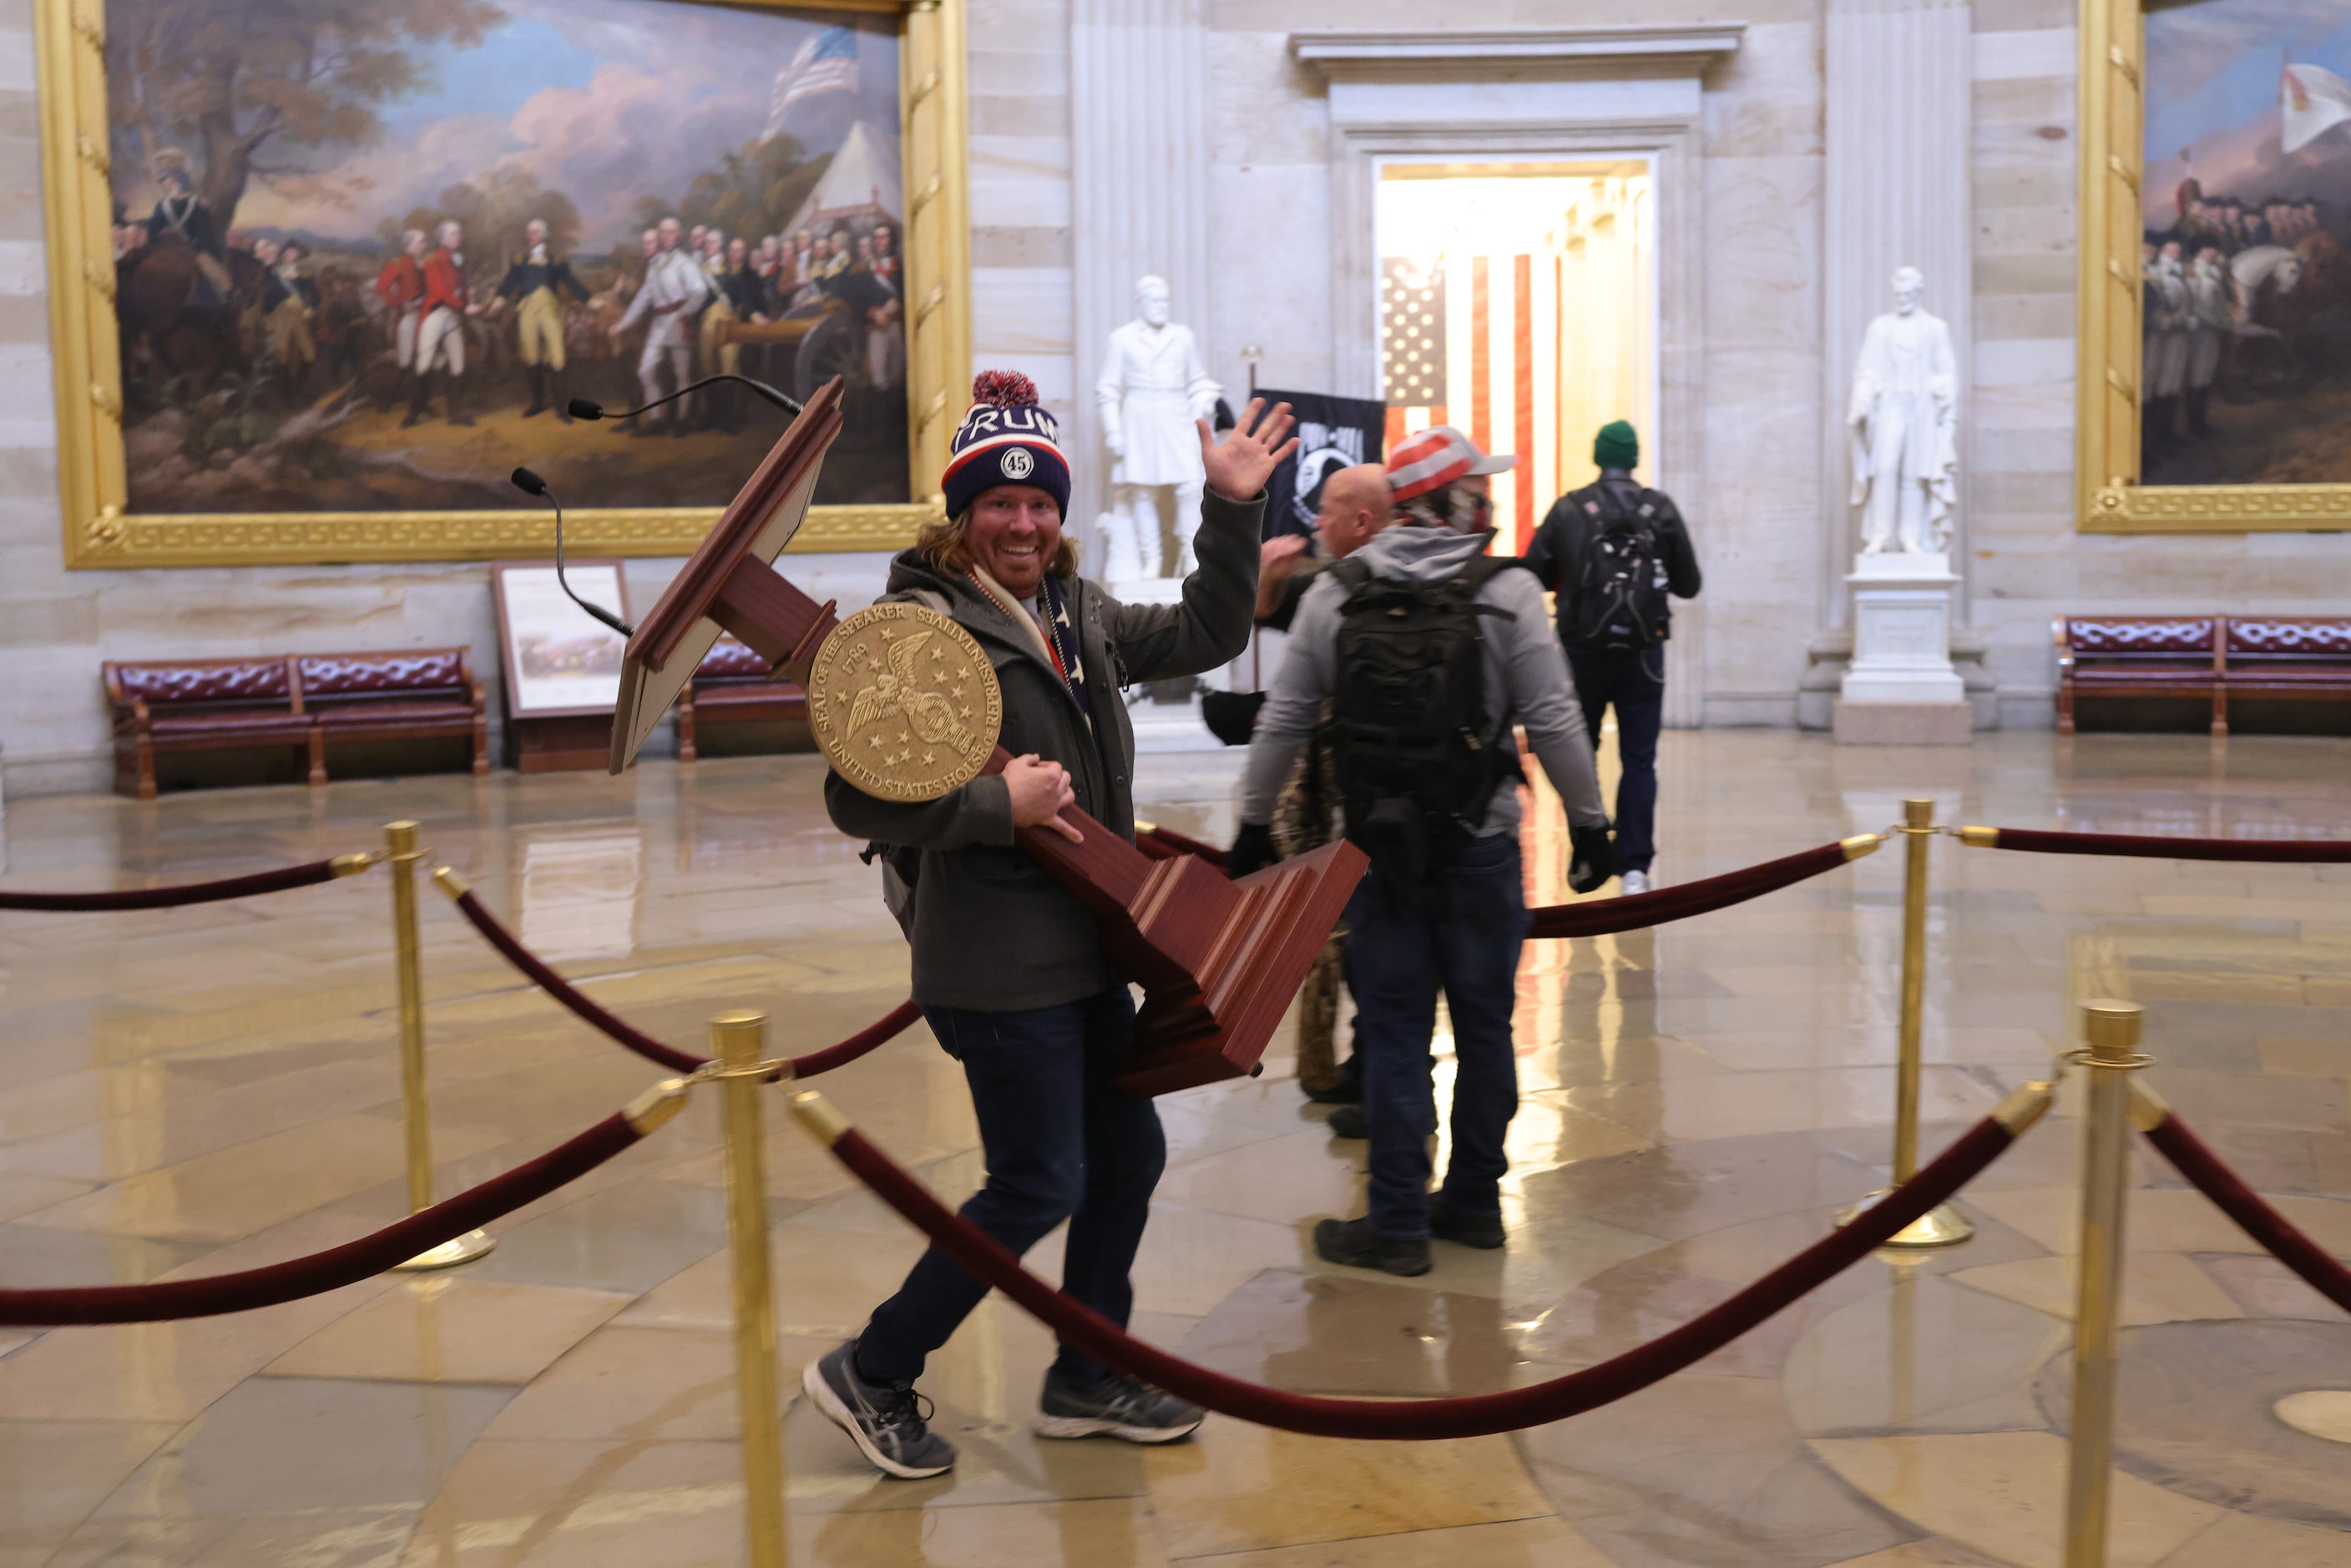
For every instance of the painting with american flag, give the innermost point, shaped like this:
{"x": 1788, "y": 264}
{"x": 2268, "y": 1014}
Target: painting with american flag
{"x": 379, "y": 269}
{"x": 2245, "y": 217}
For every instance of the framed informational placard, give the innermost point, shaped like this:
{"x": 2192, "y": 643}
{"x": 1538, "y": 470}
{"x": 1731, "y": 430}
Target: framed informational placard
{"x": 2216, "y": 265}
{"x": 561, "y": 662}
{"x": 322, "y": 271}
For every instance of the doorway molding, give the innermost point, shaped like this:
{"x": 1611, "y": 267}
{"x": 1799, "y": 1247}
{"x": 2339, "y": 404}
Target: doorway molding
{"x": 1536, "y": 95}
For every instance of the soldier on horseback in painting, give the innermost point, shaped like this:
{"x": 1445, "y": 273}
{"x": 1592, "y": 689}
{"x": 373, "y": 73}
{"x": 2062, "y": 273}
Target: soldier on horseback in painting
{"x": 181, "y": 215}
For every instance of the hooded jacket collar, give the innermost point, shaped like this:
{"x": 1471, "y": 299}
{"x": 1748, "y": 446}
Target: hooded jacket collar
{"x": 1406, "y": 553}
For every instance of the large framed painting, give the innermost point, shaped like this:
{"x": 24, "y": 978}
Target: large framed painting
{"x": 2216, "y": 265}
{"x": 323, "y": 272}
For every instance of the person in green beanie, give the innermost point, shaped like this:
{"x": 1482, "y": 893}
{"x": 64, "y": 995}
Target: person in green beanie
{"x": 1613, "y": 553}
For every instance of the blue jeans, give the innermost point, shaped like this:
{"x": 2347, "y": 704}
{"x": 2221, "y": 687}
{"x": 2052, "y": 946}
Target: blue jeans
{"x": 1061, "y": 1142}
{"x": 1634, "y": 682}
{"x": 1403, "y": 947}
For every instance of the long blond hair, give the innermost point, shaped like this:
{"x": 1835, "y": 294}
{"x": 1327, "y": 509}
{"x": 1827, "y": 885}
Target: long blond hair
{"x": 946, "y": 543}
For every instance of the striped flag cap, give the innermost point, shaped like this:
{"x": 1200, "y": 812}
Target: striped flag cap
{"x": 1436, "y": 457}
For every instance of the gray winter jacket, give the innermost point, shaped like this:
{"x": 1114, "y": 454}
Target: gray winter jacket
{"x": 1526, "y": 675}
{"x": 990, "y": 930}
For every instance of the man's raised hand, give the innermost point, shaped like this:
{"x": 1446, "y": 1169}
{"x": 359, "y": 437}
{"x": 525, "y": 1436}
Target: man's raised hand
{"x": 1239, "y": 465}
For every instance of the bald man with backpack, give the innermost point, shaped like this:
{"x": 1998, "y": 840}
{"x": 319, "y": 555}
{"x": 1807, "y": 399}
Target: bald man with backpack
{"x": 1429, "y": 653}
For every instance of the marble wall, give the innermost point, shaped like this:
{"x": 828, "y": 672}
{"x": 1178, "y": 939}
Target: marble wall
{"x": 1759, "y": 491}
{"x": 55, "y": 625}
{"x": 2028, "y": 564}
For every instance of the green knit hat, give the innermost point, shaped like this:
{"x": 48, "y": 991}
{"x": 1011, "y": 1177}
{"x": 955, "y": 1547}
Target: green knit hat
{"x": 1616, "y": 446}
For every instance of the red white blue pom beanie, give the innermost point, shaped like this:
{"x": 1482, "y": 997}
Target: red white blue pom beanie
{"x": 1004, "y": 439}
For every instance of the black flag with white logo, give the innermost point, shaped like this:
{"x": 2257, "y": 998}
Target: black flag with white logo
{"x": 1334, "y": 433}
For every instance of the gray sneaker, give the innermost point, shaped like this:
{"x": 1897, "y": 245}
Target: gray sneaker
{"x": 886, "y": 1420}
{"x": 1117, "y": 1406}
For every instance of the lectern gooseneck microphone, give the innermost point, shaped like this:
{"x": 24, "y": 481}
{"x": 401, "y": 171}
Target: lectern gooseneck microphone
{"x": 580, "y": 408}
{"x": 530, "y": 484}
{"x": 1220, "y": 961}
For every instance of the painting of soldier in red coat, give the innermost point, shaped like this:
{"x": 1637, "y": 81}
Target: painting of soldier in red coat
{"x": 368, "y": 252}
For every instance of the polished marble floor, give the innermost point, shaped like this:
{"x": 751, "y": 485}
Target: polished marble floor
{"x": 196, "y": 1091}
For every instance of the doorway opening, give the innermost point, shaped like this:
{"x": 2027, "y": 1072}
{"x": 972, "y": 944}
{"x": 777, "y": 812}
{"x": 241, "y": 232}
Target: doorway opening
{"x": 1518, "y": 303}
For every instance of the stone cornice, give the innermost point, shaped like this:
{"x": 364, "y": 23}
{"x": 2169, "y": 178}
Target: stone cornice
{"x": 1686, "y": 49}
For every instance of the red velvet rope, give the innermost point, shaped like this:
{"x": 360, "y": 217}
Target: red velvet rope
{"x": 892, "y": 1024}
{"x": 2192, "y": 1158}
{"x": 888, "y": 1027}
{"x": 2304, "y": 851}
{"x": 1598, "y": 916}
{"x": 260, "y": 882}
{"x": 1470, "y": 1417}
{"x": 164, "y": 1299}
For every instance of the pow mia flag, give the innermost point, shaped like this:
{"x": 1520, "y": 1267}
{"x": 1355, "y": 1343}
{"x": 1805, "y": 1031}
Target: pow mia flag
{"x": 1334, "y": 433}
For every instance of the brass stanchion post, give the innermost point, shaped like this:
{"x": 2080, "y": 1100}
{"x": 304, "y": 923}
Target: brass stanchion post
{"x": 1943, "y": 1226}
{"x": 401, "y": 851}
{"x": 739, "y": 1039}
{"x": 2113, "y": 1032}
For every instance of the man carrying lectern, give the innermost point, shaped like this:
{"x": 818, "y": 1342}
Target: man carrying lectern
{"x": 1008, "y": 965}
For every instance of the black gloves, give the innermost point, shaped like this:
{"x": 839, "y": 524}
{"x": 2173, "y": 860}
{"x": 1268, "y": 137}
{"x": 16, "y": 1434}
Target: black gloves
{"x": 1231, "y": 716}
{"x": 1595, "y": 857}
{"x": 1252, "y": 851}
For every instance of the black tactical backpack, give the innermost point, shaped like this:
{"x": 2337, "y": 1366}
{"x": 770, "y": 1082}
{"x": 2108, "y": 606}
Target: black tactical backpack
{"x": 1418, "y": 750}
{"x": 1619, "y": 603}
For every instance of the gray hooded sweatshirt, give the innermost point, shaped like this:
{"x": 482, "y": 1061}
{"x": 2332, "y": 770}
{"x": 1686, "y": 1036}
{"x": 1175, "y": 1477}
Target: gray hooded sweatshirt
{"x": 1526, "y": 676}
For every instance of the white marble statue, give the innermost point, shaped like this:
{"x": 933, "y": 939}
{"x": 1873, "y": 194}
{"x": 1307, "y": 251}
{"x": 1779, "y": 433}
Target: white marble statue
{"x": 1150, "y": 389}
{"x": 1904, "y": 420}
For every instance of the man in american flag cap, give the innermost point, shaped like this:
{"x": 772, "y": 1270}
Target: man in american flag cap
{"x": 1460, "y": 640}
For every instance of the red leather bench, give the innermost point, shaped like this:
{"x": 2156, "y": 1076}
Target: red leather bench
{"x": 198, "y": 705}
{"x": 2207, "y": 657}
{"x": 2299, "y": 657}
{"x": 409, "y": 694}
{"x": 733, "y": 685}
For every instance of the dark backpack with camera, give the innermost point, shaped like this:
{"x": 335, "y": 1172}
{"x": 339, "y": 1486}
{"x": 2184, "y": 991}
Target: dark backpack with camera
{"x": 1619, "y": 602}
{"x": 1418, "y": 754}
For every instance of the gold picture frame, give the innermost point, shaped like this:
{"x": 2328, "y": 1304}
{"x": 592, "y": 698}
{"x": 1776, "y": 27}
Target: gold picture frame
{"x": 101, "y": 533}
{"x": 2107, "y": 428}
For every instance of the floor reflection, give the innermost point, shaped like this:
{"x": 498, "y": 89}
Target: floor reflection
{"x": 206, "y": 1090}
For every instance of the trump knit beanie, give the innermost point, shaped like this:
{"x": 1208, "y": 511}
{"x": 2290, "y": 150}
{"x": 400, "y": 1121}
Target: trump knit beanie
{"x": 1616, "y": 446}
{"x": 1004, "y": 439}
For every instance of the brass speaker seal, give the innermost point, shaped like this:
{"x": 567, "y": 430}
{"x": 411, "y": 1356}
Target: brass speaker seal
{"x": 904, "y": 703}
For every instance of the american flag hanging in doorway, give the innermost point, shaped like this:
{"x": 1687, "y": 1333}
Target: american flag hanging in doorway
{"x": 1473, "y": 342}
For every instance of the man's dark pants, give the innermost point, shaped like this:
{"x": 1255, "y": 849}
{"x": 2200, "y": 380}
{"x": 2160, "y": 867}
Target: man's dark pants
{"x": 1402, "y": 949}
{"x": 1633, "y": 680}
{"x": 1061, "y": 1142}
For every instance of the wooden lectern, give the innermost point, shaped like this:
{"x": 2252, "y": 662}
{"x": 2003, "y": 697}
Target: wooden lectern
{"x": 1218, "y": 960}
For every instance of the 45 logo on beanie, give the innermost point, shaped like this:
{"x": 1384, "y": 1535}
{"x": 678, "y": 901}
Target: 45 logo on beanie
{"x": 1018, "y": 464}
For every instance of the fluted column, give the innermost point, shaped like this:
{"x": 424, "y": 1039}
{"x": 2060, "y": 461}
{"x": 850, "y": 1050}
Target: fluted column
{"x": 1139, "y": 178}
{"x": 1899, "y": 83}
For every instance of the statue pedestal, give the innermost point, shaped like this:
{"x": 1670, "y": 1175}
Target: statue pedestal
{"x": 1901, "y": 689}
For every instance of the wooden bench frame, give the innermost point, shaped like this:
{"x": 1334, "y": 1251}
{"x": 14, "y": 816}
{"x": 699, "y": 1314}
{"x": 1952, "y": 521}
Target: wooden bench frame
{"x": 298, "y": 724}
{"x": 734, "y": 697}
{"x": 2322, "y": 674}
{"x": 277, "y": 714}
{"x": 467, "y": 718}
